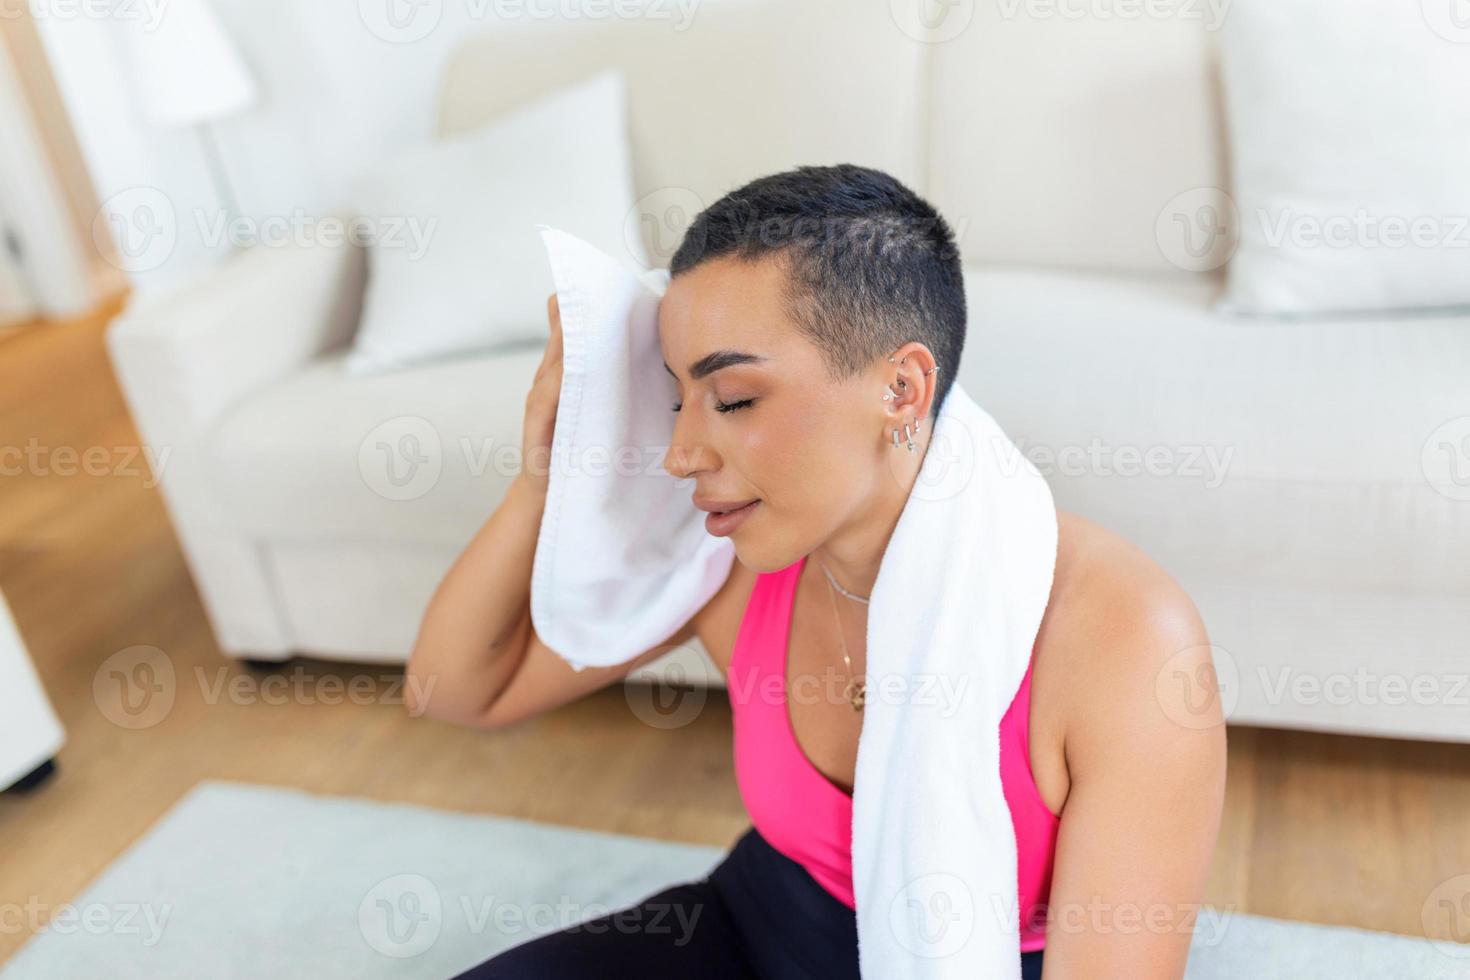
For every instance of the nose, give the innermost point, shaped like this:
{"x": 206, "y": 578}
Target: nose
{"x": 688, "y": 454}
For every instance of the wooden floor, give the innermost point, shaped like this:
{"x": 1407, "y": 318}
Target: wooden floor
{"x": 1321, "y": 828}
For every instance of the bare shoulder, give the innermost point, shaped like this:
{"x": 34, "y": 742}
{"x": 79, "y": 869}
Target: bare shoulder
{"x": 1125, "y": 649}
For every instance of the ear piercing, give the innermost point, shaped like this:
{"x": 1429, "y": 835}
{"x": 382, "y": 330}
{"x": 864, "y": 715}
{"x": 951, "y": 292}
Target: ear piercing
{"x": 907, "y": 434}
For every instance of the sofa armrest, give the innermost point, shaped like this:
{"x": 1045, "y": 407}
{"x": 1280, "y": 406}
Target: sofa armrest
{"x": 186, "y": 355}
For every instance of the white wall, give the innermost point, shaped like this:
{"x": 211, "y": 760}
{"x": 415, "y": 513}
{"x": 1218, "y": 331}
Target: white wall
{"x": 341, "y": 86}
{"x": 52, "y": 279}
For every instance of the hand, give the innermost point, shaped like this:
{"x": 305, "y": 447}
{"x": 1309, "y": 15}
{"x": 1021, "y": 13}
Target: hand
{"x": 541, "y": 401}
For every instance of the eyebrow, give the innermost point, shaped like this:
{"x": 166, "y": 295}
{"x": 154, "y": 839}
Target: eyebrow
{"x": 716, "y": 361}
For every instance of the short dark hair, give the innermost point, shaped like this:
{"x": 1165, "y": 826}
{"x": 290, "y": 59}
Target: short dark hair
{"x": 870, "y": 265}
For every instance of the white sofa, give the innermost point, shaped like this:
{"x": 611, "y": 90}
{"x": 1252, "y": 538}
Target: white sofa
{"x": 30, "y": 733}
{"x": 1323, "y": 561}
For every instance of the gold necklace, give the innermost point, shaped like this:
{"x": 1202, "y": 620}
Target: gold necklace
{"x": 855, "y": 691}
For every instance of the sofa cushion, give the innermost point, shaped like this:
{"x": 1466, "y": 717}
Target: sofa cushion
{"x": 718, "y": 94}
{"x": 474, "y": 278}
{"x": 1061, "y": 132}
{"x": 1330, "y": 220}
{"x": 1331, "y": 455}
{"x": 422, "y": 455}
{"x": 1309, "y": 455}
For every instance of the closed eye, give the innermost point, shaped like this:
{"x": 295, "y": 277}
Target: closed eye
{"x": 725, "y": 406}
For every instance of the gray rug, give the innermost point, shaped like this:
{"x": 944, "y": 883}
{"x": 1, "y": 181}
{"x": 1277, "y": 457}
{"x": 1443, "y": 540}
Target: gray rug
{"x": 254, "y": 881}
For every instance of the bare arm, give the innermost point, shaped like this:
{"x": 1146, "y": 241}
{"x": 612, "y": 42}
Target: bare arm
{"x": 1146, "y": 755}
{"x": 477, "y": 659}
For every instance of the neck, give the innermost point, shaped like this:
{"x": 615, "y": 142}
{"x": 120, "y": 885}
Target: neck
{"x": 855, "y": 550}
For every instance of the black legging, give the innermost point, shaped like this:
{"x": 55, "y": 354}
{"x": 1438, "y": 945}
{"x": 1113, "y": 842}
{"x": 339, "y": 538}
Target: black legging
{"x": 758, "y": 915}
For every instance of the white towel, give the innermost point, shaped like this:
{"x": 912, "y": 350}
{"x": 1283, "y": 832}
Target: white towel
{"x": 623, "y": 560}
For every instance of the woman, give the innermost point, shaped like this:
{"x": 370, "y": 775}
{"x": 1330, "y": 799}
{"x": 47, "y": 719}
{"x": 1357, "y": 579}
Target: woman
{"x": 813, "y": 325}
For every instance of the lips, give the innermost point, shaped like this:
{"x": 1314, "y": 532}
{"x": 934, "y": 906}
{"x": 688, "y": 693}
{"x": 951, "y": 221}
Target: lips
{"x": 726, "y": 516}
{"x": 722, "y": 506}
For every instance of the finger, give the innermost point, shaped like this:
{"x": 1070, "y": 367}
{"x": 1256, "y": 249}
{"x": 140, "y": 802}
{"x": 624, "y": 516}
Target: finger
{"x": 553, "y": 317}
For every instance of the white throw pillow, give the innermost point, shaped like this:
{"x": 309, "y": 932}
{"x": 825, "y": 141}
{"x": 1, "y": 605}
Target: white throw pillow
{"x": 1350, "y": 132}
{"x": 456, "y": 263}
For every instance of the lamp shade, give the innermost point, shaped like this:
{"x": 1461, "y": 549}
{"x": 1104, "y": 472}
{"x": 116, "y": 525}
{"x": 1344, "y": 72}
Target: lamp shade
{"x": 184, "y": 67}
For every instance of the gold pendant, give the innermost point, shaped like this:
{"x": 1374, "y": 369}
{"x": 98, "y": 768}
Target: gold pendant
{"x": 855, "y": 693}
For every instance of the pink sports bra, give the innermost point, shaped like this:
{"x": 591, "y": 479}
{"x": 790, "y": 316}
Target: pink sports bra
{"x": 806, "y": 816}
